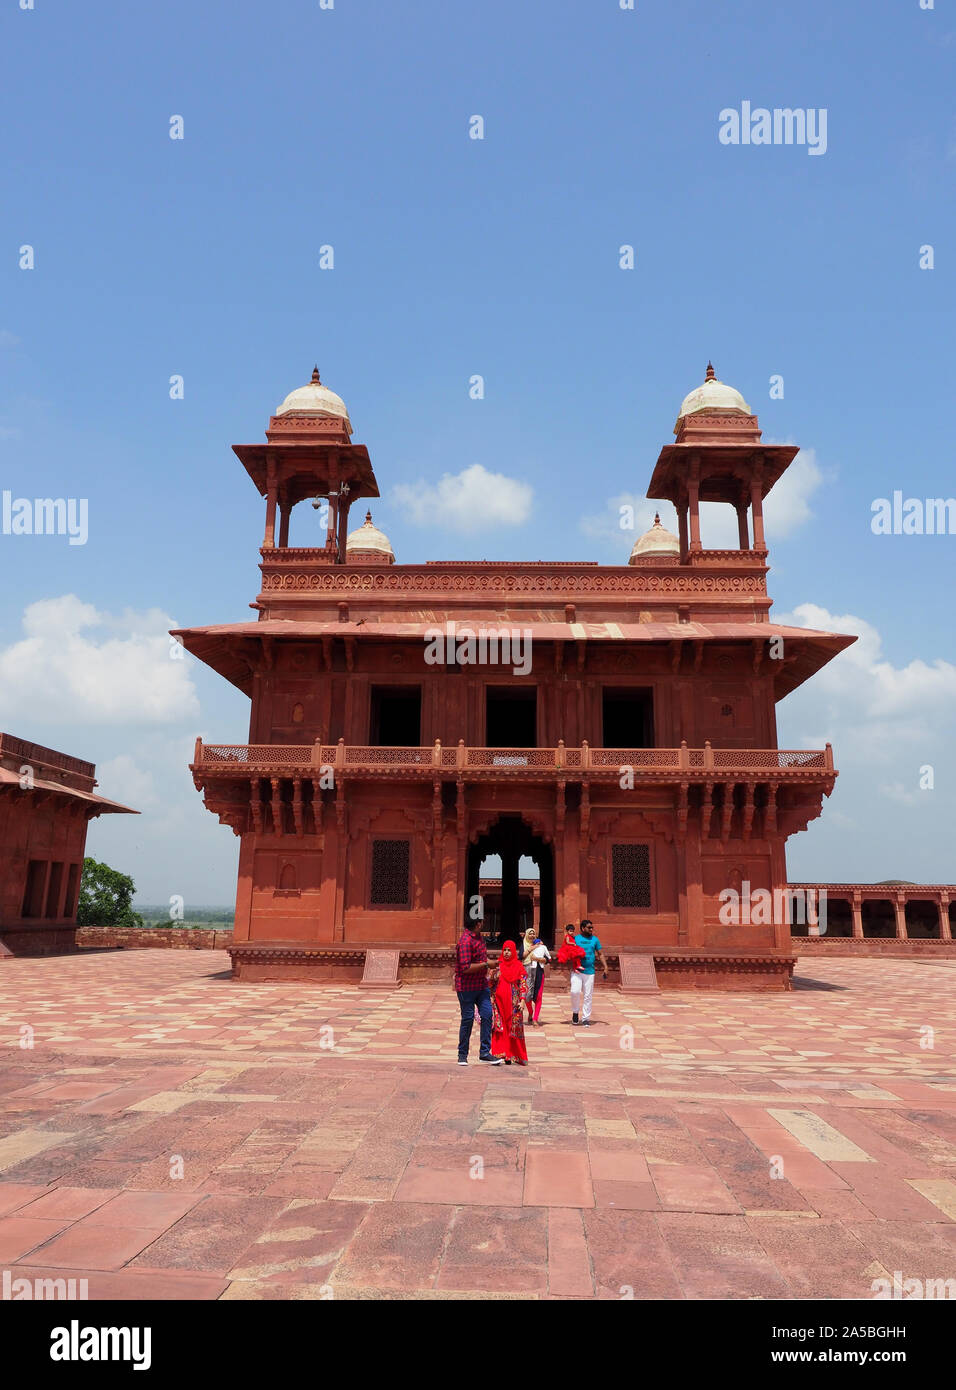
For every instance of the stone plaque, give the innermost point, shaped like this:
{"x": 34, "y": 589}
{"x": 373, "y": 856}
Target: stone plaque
{"x": 638, "y": 975}
{"x": 381, "y": 970}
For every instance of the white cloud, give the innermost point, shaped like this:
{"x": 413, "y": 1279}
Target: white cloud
{"x": 77, "y": 665}
{"x": 174, "y": 846}
{"x": 127, "y": 782}
{"x": 864, "y": 680}
{"x": 787, "y": 506}
{"x": 887, "y": 724}
{"x": 471, "y": 500}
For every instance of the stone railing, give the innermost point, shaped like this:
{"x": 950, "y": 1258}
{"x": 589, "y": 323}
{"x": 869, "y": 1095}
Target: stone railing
{"x": 305, "y": 573}
{"x": 22, "y": 749}
{"x": 563, "y": 761}
{"x": 153, "y": 938}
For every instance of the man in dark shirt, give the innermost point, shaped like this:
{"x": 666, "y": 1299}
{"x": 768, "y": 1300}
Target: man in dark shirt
{"x": 471, "y": 984}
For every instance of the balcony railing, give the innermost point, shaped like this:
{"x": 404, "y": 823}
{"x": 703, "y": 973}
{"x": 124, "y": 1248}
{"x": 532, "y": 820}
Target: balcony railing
{"x": 572, "y": 762}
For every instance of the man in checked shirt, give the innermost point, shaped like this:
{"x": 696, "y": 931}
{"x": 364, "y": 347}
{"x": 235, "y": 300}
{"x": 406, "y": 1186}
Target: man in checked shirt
{"x": 471, "y": 984}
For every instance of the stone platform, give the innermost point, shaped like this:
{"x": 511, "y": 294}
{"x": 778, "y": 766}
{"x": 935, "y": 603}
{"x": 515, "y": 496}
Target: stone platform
{"x": 678, "y": 967}
{"x": 326, "y": 1144}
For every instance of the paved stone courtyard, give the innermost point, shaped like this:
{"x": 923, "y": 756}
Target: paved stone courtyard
{"x": 173, "y": 1134}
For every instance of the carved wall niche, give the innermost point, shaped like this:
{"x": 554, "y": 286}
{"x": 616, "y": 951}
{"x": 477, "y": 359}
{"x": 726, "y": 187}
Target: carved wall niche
{"x": 650, "y": 832}
{"x": 370, "y": 826}
{"x": 287, "y": 885}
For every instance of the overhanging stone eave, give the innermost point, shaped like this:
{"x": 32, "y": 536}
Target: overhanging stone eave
{"x": 819, "y": 649}
{"x": 672, "y": 463}
{"x": 311, "y": 457}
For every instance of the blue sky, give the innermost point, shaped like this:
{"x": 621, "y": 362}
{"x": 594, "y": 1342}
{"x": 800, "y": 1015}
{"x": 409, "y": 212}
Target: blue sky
{"x": 307, "y": 127}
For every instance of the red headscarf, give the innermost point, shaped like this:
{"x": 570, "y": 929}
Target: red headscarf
{"x": 510, "y": 970}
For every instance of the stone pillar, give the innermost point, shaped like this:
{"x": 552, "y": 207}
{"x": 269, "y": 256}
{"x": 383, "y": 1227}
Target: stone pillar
{"x": 743, "y": 534}
{"x": 756, "y": 503}
{"x": 344, "y": 505}
{"x": 945, "y": 931}
{"x": 460, "y": 843}
{"x": 333, "y": 486}
{"x": 899, "y": 906}
{"x": 693, "y": 489}
{"x": 857, "y": 910}
{"x": 284, "y": 513}
{"x": 509, "y": 893}
{"x": 341, "y": 856}
{"x": 584, "y": 840}
{"x": 242, "y": 928}
{"x": 682, "y": 528}
{"x": 690, "y": 902}
{"x": 269, "y": 539}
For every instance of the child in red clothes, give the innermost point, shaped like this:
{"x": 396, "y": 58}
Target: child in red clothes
{"x": 570, "y": 953}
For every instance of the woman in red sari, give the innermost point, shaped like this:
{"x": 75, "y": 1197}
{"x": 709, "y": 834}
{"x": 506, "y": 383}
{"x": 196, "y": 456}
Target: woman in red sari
{"x": 507, "y": 1027}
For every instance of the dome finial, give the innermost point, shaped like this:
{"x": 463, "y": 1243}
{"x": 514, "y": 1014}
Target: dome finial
{"x": 657, "y": 518}
{"x": 315, "y": 376}
{"x": 711, "y": 374}
{"x": 368, "y": 518}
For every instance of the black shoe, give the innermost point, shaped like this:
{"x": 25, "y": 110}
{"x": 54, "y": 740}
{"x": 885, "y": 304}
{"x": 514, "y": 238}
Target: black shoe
{"x": 495, "y": 1061}
{"x": 574, "y": 1018}
{"x": 586, "y": 1023}
{"x": 463, "y": 1061}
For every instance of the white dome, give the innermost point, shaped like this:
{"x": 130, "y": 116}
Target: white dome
{"x": 368, "y": 539}
{"x": 657, "y": 541}
{"x": 313, "y": 399}
{"x": 713, "y": 395}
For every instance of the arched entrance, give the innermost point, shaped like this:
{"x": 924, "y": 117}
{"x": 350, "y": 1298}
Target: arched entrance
{"x": 513, "y": 839}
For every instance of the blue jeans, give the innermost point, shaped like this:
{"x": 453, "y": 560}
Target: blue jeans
{"x": 468, "y": 999}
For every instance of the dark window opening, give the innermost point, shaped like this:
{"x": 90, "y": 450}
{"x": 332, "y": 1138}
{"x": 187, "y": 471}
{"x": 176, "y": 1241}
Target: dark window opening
{"x": 628, "y": 718}
{"x": 630, "y": 876}
{"x": 396, "y": 720}
{"x": 33, "y": 895}
{"x": 72, "y": 886}
{"x": 53, "y": 892}
{"x": 391, "y": 860}
{"x": 511, "y": 717}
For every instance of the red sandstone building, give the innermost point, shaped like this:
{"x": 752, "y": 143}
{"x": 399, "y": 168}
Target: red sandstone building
{"x": 634, "y": 759}
{"x": 47, "y": 800}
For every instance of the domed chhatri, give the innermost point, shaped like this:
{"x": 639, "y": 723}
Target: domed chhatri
{"x": 313, "y": 399}
{"x": 656, "y": 545}
{"x": 369, "y": 545}
{"x": 713, "y": 396}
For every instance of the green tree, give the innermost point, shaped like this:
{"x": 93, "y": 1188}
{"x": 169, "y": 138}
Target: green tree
{"x": 106, "y": 897}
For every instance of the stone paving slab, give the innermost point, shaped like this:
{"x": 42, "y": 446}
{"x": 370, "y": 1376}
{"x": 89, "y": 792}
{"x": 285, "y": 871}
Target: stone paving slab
{"x": 173, "y": 1134}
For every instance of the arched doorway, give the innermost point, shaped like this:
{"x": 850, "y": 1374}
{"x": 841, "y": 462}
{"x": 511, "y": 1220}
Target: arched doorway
{"x": 513, "y": 839}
